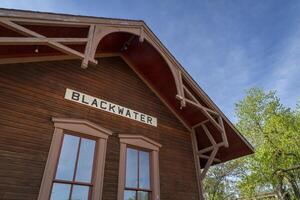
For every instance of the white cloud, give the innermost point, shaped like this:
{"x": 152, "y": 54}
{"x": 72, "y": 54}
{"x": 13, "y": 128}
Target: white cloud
{"x": 29, "y": 5}
{"x": 285, "y": 78}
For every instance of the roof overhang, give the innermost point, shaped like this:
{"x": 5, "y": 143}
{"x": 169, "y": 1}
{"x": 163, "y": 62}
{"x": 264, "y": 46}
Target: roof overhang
{"x": 27, "y": 36}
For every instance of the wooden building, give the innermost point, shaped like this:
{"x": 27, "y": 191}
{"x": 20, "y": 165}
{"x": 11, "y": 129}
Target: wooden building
{"x": 97, "y": 108}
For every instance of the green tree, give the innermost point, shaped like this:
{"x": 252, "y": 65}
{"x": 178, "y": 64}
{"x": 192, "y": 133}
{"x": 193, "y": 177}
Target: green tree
{"x": 274, "y": 131}
{"x": 220, "y": 182}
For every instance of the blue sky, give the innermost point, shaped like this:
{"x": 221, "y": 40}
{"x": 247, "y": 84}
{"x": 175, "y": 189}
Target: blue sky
{"x": 227, "y": 46}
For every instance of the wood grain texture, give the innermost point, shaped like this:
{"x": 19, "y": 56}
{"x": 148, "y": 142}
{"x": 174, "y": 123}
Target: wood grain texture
{"x": 32, "y": 93}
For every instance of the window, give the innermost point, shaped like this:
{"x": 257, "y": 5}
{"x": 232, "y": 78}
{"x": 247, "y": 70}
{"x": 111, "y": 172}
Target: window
{"x": 75, "y": 164}
{"x": 139, "y": 169}
{"x": 73, "y": 179}
{"x": 137, "y": 177}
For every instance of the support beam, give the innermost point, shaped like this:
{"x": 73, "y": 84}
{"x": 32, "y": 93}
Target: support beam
{"x": 197, "y": 163}
{"x": 35, "y": 41}
{"x": 201, "y": 107}
{"x": 200, "y": 123}
{"x": 67, "y": 50}
{"x": 19, "y": 29}
{"x": 204, "y": 111}
{"x": 197, "y": 102}
{"x": 185, "y": 96}
{"x": 87, "y": 50}
{"x": 207, "y": 157}
{"x": 208, "y": 134}
{"x": 56, "y": 45}
{"x": 207, "y": 149}
{"x": 192, "y": 100}
{"x": 97, "y": 33}
{"x": 214, "y": 148}
{"x": 208, "y": 164}
{"x": 224, "y": 136}
{"x": 183, "y": 102}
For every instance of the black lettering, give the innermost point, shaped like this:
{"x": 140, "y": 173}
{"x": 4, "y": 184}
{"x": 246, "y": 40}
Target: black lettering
{"x": 82, "y": 100}
{"x": 135, "y": 114}
{"x": 142, "y": 117}
{"x": 101, "y": 105}
{"x": 75, "y": 96}
{"x": 111, "y": 108}
{"x": 149, "y": 120}
{"x": 128, "y": 113}
{"x": 95, "y": 103}
{"x": 120, "y": 110}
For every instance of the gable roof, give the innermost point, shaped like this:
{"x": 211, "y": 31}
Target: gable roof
{"x": 49, "y": 36}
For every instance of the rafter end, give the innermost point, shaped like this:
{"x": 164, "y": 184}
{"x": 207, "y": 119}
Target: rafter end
{"x": 141, "y": 39}
{"x": 179, "y": 97}
{"x": 85, "y": 63}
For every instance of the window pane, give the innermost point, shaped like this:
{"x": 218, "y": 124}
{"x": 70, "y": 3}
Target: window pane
{"x": 60, "y": 191}
{"x": 129, "y": 195}
{"x": 80, "y": 192}
{"x": 143, "y": 195}
{"x": 67, "y": 159}
{"x": 144, "y": 167}
{"x": 85, "y": 160}
{"x": 131, "y": 168}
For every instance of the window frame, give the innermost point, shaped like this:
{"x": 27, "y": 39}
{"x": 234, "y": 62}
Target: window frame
{"x": 143, "y": 143}
{"x": 84, "y": 129}
{"x": 138, "y": 188}
{"x": 73, "y": 182}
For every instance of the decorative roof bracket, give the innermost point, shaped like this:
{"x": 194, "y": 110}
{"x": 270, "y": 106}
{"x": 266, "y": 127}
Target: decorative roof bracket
{"x": 38, "y": 38}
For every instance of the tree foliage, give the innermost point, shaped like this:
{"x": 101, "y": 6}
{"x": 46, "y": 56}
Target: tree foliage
{"x": 220, "y": 182}
{"x": 274, "y": 131}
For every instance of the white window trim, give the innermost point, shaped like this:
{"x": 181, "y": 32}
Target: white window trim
{"x": 82, "y": 127}
{"x": 146, "y": 143}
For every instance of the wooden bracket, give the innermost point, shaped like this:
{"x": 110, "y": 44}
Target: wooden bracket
{"x": 36, "y": 38}
{"x": 202, "y": 153}
{"x": 201, "y": 173}
{"x": 88, "y": 47}
{"x": 208, "y": 163}
{"x": 186, "y": 97}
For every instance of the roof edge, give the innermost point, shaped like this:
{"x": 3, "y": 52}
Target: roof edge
{"x": 20, "y": 13}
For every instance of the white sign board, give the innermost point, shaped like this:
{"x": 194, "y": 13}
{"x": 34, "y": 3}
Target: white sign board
{"x": 107, "y": 106}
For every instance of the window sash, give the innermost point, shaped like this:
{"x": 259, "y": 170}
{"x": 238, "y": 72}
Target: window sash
{"x": 76, "y": 163}
{"x": 138, "y": 170}
{"x": 74, "y": 182}
{"x": 69, "y": 191}
{"x": 136, "y": 192}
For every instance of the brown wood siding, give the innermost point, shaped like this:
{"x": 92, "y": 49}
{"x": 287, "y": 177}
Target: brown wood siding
{"x": 32, "y": 93}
